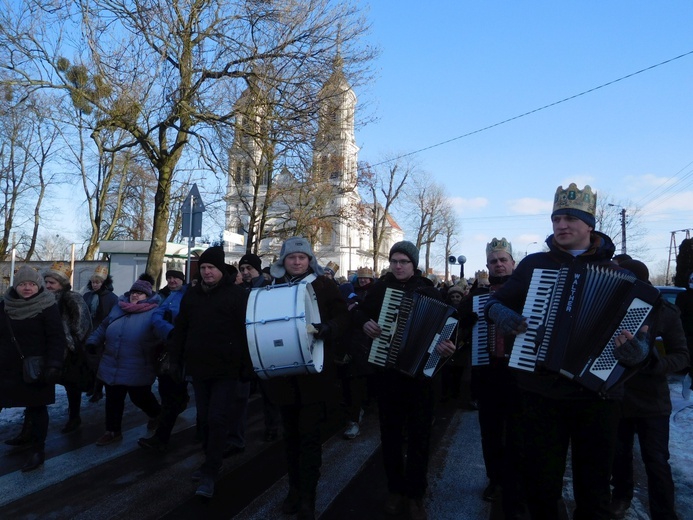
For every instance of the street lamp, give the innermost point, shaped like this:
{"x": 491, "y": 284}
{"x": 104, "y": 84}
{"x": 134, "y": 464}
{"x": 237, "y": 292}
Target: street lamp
{"x": 623, "y": 227}
{"x": 527, "y": 246}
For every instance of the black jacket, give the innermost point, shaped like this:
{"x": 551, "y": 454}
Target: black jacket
{"x": 513, "y": 295}
{"x": 209, "y": 332}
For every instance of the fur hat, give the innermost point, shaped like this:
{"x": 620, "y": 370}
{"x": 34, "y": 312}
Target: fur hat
{"x": 142, "y": 286}
{"x": 456, "y": 289}
{"x": 290, "y": 246}
{"x": 252, "y": 260}
{"x": 27, "y": 274}
{"x": 176, "y": 274}
{"x": 215, "y": 256}
{"x": 406, "y": 248}
{"x": 61, "y": 272}
{"x": 101, "y": 272}
{"x": 577, "y": 203}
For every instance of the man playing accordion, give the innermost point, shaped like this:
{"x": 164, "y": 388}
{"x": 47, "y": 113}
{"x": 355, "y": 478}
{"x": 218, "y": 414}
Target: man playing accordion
{"x": 556, "y": 411}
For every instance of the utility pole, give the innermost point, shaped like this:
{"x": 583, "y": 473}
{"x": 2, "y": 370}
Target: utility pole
{"x": 623, "y": 231}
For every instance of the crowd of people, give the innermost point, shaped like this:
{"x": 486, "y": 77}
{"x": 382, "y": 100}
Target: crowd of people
{"x": 96, "y": 342}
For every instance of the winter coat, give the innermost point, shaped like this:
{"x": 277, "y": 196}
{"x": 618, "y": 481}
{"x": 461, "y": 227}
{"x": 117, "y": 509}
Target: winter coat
{"x": 41, "y": 335}
{"x": 129, "y": 345}
{"x": 209, "y": 332}
{"x": 164, "y": 315}
{"x": 100, "y": 302}
{"x": 313, "y": 388}
{"x": 684, "y": 302}
{"x": 77, "y": 327}
{"x": 647, "y": 392}
{"x": 514, "y": 292}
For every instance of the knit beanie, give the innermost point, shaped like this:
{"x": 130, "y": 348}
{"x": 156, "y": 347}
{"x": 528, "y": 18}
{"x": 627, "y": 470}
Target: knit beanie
{"x": 60, "y": 271}
{"x": 251, "y": 260}
{"x": 27, "y": 274}
{"x": 176, "y": 274}
{"x": 295, "y": 245}
{"x": 142, "y": 286}
{"x": 455, "y": 289}
{"x": 215, "y": 256}
{"x": 639, "y": 269}
{"x": 406, "y": 248}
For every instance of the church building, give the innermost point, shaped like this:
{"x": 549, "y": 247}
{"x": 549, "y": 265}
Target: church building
{"x": 270, "y": 202}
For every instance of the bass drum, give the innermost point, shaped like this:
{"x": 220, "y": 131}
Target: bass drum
{"x": 277, "y": 321}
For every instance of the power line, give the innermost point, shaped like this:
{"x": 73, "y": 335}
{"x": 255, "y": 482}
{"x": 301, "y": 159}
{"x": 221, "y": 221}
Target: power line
{"x": 536, "y": 109}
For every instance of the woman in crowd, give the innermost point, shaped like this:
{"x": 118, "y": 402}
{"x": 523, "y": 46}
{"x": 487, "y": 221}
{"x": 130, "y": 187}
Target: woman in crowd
{"x": 77, "y": 375}
{"x": 100, "y": 299}
{"x": 30, "y": 323}
{"x": 128, "y": 362}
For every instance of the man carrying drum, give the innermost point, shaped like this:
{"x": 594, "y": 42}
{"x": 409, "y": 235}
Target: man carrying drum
{"x": 302, "y": 398}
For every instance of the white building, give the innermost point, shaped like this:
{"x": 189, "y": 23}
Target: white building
{"x": 346, "y": 237}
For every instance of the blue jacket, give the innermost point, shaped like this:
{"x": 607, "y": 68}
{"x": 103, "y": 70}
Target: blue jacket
{"x": 129, "y": 346}
{"x": 513, "y": 295}
{"x": 164, "y": 315}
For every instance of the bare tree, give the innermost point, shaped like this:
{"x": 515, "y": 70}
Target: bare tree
{"x": 450, "y": 230}
{"x": 382, "y": 187}
{"x": 428, "y": 205}
{"x": 27, "y": 146}
{"x": 610, "y": 222}
{"x": 159, "y": 71}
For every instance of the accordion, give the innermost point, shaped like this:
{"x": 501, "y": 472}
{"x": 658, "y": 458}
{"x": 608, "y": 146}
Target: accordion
{"x": 574, "y": 315}
{"x": 486, "y": 344}
{"x": 412, "y": 325}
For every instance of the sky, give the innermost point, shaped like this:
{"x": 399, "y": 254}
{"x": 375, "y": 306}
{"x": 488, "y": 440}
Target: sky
{"x": 447, "y": 70}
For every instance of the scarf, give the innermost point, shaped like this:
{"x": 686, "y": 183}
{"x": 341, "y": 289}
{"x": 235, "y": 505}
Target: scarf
{"x": 132, "y": 308}
{"x": 17, "y": 308}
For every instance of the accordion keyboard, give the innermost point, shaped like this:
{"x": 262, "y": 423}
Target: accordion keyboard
{"x": 387, "y": 321}
{"x": 480, "y": 332}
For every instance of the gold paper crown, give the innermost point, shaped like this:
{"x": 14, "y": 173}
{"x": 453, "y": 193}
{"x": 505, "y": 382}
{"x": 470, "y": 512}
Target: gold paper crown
{"x": 573, "y": 198}
{"x": 499, "y": 245}
{"x": 332, "y": 267}
{"x": 61, "y": 269}
{"x": 101, "y": 271}
{"x": 481, "y": 275}
{"x": 364, "y": 272}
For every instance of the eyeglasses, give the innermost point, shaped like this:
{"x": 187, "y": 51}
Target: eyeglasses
{"x": 400, "y": 262}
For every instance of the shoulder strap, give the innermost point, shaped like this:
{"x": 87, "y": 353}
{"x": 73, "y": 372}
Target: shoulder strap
{"x": 14, "y": 340}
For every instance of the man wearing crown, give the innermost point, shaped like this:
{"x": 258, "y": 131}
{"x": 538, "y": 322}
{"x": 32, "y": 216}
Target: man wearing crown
{"x": 557, "y": 412}
{"x": 495, "y": 388}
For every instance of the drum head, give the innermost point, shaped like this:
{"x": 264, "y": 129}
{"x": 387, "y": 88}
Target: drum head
{"x": 279, "y": 343}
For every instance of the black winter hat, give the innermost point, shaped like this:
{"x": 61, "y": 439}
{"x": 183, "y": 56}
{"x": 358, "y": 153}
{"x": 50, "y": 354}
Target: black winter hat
{"x": 251, "y": 260}
{"x": 215, "y": 256}
{"x": 406, "y": 248}
{"x": 176, "y": 274}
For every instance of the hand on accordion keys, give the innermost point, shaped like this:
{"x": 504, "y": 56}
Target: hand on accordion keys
{"x": 507, "y": 320}
{"x": 446, "y": 348}
{"x": 631, "y": 350}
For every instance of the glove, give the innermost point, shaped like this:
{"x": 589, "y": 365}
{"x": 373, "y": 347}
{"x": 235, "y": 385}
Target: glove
{"x": 323, "y": 330}
{"x": 53, "y": 375}
{"x": 633, "y": 351}
{"x": 507, "y": 320}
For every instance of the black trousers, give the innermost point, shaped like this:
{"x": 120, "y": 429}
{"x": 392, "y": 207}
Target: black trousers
{"x": 405, "y": 402}
{"x": 174, "y": 398}
{"x": 301, "y": 424}
{"x": 548, "y": 427}
{"x": 653, "y": 435}
{"x": 37, "y": 417}
{"x": 141, "y": 396}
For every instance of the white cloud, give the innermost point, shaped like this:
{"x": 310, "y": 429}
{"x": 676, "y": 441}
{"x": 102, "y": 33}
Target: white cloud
{"x": 463, "y": 205}
{"x": 530, "y": 206}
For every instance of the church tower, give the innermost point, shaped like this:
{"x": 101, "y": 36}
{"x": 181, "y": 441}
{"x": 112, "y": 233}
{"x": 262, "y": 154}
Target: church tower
{"x": 249, "y": 167}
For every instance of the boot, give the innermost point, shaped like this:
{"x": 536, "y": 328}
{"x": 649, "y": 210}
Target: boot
{"x": 306, "y": 508}
{"x": 291, "y": 503}
{"x": 24, "y": 436}
{"x": 35, "y": 460}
